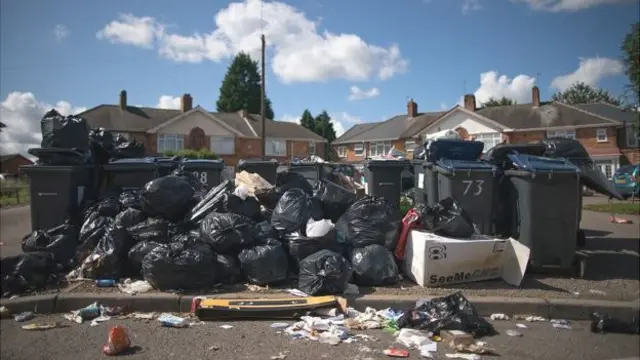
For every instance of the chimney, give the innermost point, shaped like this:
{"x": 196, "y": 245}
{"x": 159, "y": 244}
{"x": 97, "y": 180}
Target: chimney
{"x": 186, "y": 103}
{"x": 412, "y": 108}
{"x": 535, "y": 96}
{"x": 123, "y": 99}
{"x": 470, "y": 102}
{"x": 244, "y": 113}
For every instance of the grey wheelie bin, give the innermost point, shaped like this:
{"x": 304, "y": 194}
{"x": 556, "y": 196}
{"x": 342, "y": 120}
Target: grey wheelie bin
{"x": 384, "y": 179}
{"x": 130, "y": 174}
{"x": 207, "y": 171}
{"x": 166, "y": 165}
{"x": 312, "y": 171}
{"x": 471, "y": 184}
{"x": 426, "y": 182}
{"x": 545, "y": 195}
{"x": 59, "y": 192}
{"x": 268, "y": 169}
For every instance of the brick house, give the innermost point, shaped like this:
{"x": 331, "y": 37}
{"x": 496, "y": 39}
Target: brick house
{"x": 232, "y": 136}
{"x": 10, "y": 164}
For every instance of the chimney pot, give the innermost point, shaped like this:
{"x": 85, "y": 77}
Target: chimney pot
{"x": 535, "y": 96}
{"x": 412, "y": 109}
{"x": 470, "y": 102}
{"x": 123, "y": 99}
{"x": 186, "y": 103}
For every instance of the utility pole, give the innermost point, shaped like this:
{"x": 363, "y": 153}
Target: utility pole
{"x": 262, "y": 104}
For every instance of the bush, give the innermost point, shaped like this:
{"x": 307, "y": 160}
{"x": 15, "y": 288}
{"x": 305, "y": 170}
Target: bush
{"x": 205, "y": 154}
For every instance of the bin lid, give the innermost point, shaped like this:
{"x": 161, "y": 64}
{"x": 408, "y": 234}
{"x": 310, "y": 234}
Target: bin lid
{"x": 537, "y": 163}
{"x": 132, "y": 164}
{"x": 272, "y": 162}
{"x": 448, "y": 165}
{"x": 387, "y": 163}
{"x": 203, "y": 163}
{"x": 454, "y": 150}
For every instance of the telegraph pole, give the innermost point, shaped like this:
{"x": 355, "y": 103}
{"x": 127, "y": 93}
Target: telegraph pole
{"x": 262, "y": 104}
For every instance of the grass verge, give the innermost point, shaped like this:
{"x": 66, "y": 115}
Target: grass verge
{"x": 626, "y": 208}
{"x": 14, "y": 193}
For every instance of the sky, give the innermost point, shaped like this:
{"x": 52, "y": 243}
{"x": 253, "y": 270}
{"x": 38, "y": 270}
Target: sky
{"x": 361, "y": 61}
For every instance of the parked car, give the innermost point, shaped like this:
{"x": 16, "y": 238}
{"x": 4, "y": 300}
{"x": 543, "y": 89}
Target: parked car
{"x": 627, "y": 180}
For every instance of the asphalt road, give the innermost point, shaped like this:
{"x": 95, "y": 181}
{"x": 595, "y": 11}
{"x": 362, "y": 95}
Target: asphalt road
{"x": 257, "y": 340}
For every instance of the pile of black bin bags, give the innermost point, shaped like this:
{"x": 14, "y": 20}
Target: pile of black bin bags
{"x": 178, "y": 238}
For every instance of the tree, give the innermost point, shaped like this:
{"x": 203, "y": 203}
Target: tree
{"x": 324, "y": 126}
{"x": 502, "y": 102}
{"x": 241, "y": 88}
{"x": 308, "y": 121}
{"x": 581, "y": 93}
{"x": 631, "y": 60}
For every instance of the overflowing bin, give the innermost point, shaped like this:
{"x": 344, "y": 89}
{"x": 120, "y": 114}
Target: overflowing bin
{"x": 130, "y": 174}
{"x": 59, "y": 192}
{"x": 544, "y": 195}
{"x": 209, "y": 172}
{"x": 268, "y": 169}
{"x": 384, "y": 179}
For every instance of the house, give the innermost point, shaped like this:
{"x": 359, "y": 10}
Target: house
{"x": 10, "y": 164}
{"x": 232, "y": 136}
{"x": 374, "y": 139}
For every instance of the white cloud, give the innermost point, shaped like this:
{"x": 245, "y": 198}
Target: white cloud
{"x": 132, "y": 30}
{"x": 168, "y": 102}
{"x": 590, "y": 71}
{"x": 355, "y": 93}
{"x": 340, "y": 120}
{"x": 298, "y": 49}
{"x": 22, "y": 112}
{"x": 60, "y": 32}
{"x": 469, "y": 6}
{"x": 569, "y": 5}
{"x": 494, "y": 85}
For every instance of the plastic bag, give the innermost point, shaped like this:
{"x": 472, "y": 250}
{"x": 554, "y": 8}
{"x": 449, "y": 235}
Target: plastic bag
{"x": 190, "y": 178}
{"x": 263, "y": 230}
{"x": 61, "y": 241}
{"x": 102, "y": 144}
{"x": 452, "y": 312}
{"x": 449, "y": 219}
{"x": 28, "y": 271}
{"x": 64, "y": 132}
{"x": 264, "y": 264}
{"x": 228, "y": 269}
{"x": 117, "y": 342}
{"x": 302, "y": 246}
{"x": 108, "y": 259}
{"x": 151, "y": 229}
{"x": 293, "y": 211}
{"x": 107, "y": 206}
{"x": 250, "y": 207}
{"x": 137, "y": 254}
{"x": 91, "y": 232}
{"x": 335, "y": 199}
{"x": 169, "y": 196}
{"x": 324, "y": 273}
{"x": 374, "y": 265}
{"x": 130, "y": 199}
{"x": 211, "y": 202}
{"x": 129, "y": 217}
{"x": 128, "y": 149}
{"x": 285, "y": 181}
{"x": 319, "y": 228}
{"x": 227, "y": 233}
{"x": 180, "y": 265}
{"x": 370, "y": 220}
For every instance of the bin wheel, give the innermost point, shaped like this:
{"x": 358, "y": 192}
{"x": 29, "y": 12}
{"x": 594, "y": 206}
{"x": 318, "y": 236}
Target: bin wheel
{"x": 581, "y": 241}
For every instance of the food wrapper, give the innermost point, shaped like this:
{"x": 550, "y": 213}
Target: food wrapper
{"x": 117, "y": 342}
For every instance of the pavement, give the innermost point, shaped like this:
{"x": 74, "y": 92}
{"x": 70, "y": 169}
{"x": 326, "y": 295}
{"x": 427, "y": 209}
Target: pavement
{"x": 257, "y": 340}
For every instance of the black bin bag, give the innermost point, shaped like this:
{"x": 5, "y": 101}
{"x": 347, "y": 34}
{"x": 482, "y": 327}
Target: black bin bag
{"x": 447, "y": 218}
{"x": 137, "y": 254}
{"x": 69, "y": 132}
{"x": 109, "y": 257}
{"x": 374, "y": 265}
{"x": 294, "y": 210}
{"x": 285, "y": 181}
{"x": 61, "y": 241}
{"x": 250, "y": 207}
{"x": 170, "y": 197}
{"x": 302, "y": 246}
{"x": 130, "y": 199}
{"x": 324, "y": 273}
{"x": 370, "y": 220}
{"x": 151, "y": 229}
{"x": 227, "y": 233}
{"x": 28, "y": 272}
{"x": 180, "y": 266}
{"x": 265, "y": 264}
{"x": 129, "y": 217}
{"x": 228, "y": 269}
{"x": 92, "y": 231}
{"x": 335, "y": 199}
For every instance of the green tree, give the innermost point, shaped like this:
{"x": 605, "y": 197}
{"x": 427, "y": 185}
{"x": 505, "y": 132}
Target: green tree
{"x": 631, "y": 60}
{"x": 241, "y": 88}
{"x": 504, "y": 101}
{"x": 308, "y": 121}
{"x": 324, "y": 126}
{"x": 581, "y": 93}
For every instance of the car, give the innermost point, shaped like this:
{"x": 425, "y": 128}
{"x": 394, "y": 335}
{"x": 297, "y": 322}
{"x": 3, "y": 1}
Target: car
{"x": 627, "y": 180}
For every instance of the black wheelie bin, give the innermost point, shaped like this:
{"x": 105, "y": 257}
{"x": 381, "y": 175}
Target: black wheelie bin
{"x": 384, "y": 179}
{"x": 209, "y": 172}
{"x": 130, "y": 174}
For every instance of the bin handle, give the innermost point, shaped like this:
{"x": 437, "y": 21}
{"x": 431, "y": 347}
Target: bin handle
{"x": 385, "y": 184}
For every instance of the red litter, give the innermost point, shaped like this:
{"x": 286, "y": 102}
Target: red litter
{"x": 398, "y": 353}
{"x": 117, "y": 342}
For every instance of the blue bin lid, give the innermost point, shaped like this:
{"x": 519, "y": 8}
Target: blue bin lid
{"x": 454, "y": 150}
{"x": 453, "y": 165}
{"x": 538, "y": 163}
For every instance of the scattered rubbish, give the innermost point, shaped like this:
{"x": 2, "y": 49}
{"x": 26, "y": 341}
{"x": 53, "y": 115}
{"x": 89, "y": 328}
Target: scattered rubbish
{"x": 111, "y": 310}
{"x": 135, "y": 287}
{"x": 280, "y": 356}
{"x": 619, "y": 220}
{"x": 296, "y": 292}
{"x": 513, "y": 333}
{"x": 4, "y": 312}
{"x": 463, "y": 356}
{"x": 25, "y": 316}
{"x": 99, "y": 319}
{"x": 499, "y": 316}
{"x": 279, "y": 325}
{"x": 169, "y": 320}
{"x": 603, "y": 323}
{"x": 456, "y": 337}
{"x": 597, "y": 292}
{"x": 397, "y": 353}
{"x": 522, "y": 326}
{"x": 561, "y": 324}
{"x": 226, "y": 327}
{"x": 214, "y": 347}
{"x": 478, "y": 347}
{"x": 529, "y": 318}
{"x": 106, "y": 283}
{"x": 117, "y": 341}
{"x": 46, "y": 326}
{"x": 257, "y": 288}
{"x": 89, "y": 312}
{"x": 274, "y": 308}
{"x": 419, "y": 340}
{"x": 143, "y": 316}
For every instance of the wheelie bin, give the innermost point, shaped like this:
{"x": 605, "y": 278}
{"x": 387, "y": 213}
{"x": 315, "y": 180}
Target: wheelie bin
{"x": 130, "y": 174}
{"x": 166, "y": 165}
{"x": 207, "y": 171}
{"x": 268, "y": 169}
{"x": 384, "y": 179}
{"x": 426, "y": 182}
{"x": 544, "y": 195}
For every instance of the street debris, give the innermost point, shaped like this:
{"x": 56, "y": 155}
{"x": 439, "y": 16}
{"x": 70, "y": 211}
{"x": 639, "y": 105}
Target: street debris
{"x": 89, "y": 312}
{"x": 513, "y": 333}
{"x": 529, "y": 318}
{"x": 561, "y": 324}
{"x": 169, "y": 320}
{"x": 135, "y": 287}
{"x": 396, "y": 353}
{"x": 25, "y": 316}
{"x": 36, "y": 327}
{"x": 521, "y": 326}
{"x": 117, "y": 341}
{"x": 463, "y": 356}
{"x": 226, "y": 327}
{"x": 99, "y": 319}
{"x": 499, "y": 316}
{"x": 419, "y": 340}
{"x": 279, "y": 325}
{"x": 4, "y": 312}
{"x": 280, "y": 356}
{"x": 597, "y": 292}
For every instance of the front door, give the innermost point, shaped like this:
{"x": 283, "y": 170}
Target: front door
{"x": 197, "y": 139}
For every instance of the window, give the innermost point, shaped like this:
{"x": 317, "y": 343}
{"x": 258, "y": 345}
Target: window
{"x": 630, "y": 134}
{"x": 379, "y": 148}
{"x": 606, "y": 166}
{"x": 489, "y": 139}
{"x": 601, "y": 135}
{"x": 571, "y": 134}
{"x": 312, "y": 147}
{"x": 410, "y": 145}
{"x": 223, "y": 145}
{"x": 170, "y": 142}
{"x": 275, "y": 147}
{"x": 342, "y": 151}
{"x": 359, "y": 149}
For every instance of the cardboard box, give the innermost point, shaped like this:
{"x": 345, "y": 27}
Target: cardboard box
{"x": 432, "y": 260}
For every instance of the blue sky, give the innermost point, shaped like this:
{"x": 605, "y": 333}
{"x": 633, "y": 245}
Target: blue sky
{"x": 359, "y": 60}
